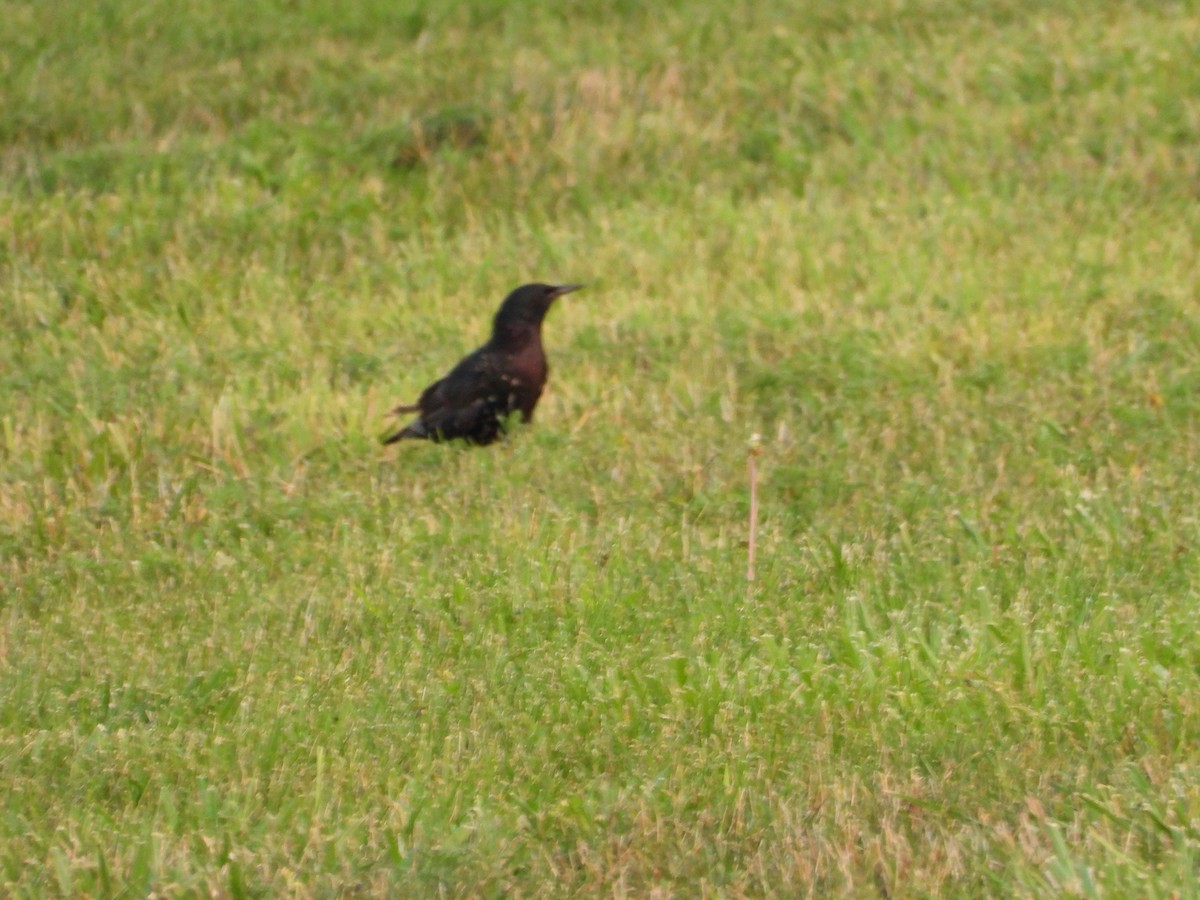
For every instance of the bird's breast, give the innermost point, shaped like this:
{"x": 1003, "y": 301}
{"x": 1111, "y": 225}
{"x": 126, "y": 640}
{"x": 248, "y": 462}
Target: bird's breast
{"x": 529, "y": 365}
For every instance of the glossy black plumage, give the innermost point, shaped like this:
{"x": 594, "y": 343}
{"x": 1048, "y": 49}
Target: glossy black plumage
{"x": 504, "y": 376}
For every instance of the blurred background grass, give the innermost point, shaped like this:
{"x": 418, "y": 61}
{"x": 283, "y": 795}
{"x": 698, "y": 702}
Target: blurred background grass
{"x": 941, "y": 255}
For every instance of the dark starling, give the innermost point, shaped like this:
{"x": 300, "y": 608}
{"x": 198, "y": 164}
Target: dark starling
{"x": 504, "y": 376}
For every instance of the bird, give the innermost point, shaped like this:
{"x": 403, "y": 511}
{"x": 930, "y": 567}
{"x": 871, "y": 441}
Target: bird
{"x": 504, "y": 376}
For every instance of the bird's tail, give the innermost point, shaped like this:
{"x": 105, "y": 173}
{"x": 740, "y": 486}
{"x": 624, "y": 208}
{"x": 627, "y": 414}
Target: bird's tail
{"x": 412, "y": 430}
{"x": 415, "y": 430}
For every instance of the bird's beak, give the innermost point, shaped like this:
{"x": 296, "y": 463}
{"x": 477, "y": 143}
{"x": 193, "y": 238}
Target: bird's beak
{"x": 565, "y": 289}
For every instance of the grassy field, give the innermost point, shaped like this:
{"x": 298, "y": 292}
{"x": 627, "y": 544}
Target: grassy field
{"x": 943, "y": 256}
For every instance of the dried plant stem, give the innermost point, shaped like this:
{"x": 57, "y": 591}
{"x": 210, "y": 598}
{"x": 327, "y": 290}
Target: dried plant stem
{"x": 755, "y": 450}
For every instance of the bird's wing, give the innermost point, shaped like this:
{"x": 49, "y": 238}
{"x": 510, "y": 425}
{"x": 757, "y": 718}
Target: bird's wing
{"x": 461, "y": 420}
{"x": 446, "y": 422}
{"x": 472, "y": 400}
{"x": 476, "y": 376}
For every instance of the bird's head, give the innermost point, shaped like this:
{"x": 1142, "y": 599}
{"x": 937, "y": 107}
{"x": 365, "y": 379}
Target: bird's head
{"x": 525, "y": 307}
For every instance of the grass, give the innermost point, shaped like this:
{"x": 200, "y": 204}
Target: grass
{"x": 942, "y": 256}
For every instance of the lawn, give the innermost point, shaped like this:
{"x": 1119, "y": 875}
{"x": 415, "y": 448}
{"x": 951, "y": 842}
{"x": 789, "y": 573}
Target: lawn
{"x": 942, "y": 256}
